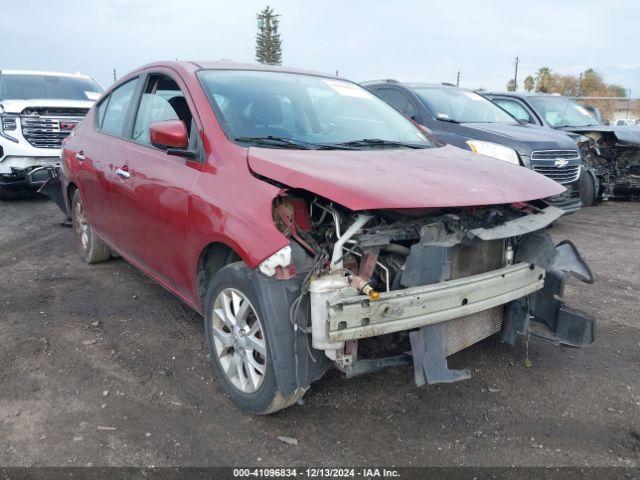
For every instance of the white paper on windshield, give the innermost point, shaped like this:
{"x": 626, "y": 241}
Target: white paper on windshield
{"x": 473, "y": 96}
{"x": 348, "y": 89}
{"x": 92, "y": 95}
{"x": 442, "y": 115}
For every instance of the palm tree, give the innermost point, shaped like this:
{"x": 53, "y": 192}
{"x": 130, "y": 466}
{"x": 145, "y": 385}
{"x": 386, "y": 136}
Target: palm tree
{"x": 529, "y": 83}
{"x": 543, "y": 79}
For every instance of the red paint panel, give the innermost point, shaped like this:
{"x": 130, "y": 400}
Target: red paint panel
{"x": 385, "y": 179}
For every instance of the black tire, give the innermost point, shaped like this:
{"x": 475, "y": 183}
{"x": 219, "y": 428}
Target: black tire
{"x": 267, "y": 398}
{"x": 90, "y": 248}
{"x": 587, "y": 190}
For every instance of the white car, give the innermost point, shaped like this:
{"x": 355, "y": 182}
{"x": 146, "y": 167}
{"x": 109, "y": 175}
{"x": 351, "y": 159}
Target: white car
{"x": 37, "y": 111}
{"x": 626, "y": 123}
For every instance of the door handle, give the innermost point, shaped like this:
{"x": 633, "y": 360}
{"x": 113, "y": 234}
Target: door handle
{"x": 80, "y": 156}
{"x": 123, "y": 172}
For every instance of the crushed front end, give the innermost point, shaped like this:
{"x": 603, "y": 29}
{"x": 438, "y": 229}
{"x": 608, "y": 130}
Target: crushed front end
{"x": 387, "y": 288}
{"x": 614, "y": 156}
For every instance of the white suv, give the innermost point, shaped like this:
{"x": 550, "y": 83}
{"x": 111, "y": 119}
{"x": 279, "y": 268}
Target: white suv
{"x": 37, "y": 111}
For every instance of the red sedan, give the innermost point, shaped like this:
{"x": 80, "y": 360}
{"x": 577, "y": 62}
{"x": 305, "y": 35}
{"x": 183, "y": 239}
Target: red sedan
{"x": 313, "y": 226}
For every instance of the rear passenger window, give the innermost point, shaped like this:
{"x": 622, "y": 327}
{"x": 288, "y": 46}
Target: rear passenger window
{"x": 115, "y": 114}
{"x": 100, "y": 109}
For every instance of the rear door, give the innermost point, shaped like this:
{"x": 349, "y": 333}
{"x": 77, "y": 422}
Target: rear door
{"x": 152, "y": 204}
{"x": 96, "y": 153}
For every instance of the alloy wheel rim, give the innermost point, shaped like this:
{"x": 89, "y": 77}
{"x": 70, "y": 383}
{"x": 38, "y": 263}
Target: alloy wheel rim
{"x": 82, "y": 226}
{"x": 238, "y": 340}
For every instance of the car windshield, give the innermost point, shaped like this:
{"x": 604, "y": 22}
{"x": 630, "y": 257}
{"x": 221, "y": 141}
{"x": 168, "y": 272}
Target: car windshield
{"x": 24, "y": 87}
{"x": 287, "y": 110}
{"x": 562, "y": 112}
{"x": 461, "y": 106}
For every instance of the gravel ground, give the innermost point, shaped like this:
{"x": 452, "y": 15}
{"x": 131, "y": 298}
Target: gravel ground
{"x": 101, "y": 366}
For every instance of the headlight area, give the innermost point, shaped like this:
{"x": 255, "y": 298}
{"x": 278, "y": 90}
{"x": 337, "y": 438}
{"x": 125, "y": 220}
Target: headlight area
{"x": 8, "y": 125}
{"x": 371, "y": 286}
{"x": 494, "y": 150}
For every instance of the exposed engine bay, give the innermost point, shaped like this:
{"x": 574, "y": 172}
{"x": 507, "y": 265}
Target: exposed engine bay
{"x": 387, "y": 288}
{"x": 615, "y": 159}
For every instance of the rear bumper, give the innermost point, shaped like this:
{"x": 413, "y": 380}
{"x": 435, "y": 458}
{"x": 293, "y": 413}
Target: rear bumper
{"x": 28, "y": 178}
{"x": 357, "y": 317}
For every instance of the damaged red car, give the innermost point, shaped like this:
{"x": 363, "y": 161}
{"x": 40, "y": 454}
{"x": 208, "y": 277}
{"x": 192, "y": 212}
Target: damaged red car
{"x": 313, "y": 226}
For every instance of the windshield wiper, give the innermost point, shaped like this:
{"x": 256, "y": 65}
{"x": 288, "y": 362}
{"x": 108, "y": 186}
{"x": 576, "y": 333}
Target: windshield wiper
{"x": 376, "y": 142}
{"x": 450, "y": 120}
{"x": 576, "y": 126}
{"x": 279, "y": 142}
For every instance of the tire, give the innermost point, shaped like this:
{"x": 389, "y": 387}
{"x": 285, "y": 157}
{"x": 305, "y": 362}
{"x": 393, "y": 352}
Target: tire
{"x": 90, "y": 248}
{"x": 239, "y": 348}
{"x": 587, "y": 190}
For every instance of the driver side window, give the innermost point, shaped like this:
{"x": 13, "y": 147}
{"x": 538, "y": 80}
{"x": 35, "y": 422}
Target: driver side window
{"x": 399, "y": 101}
{"x": 515, "y": 109}
{"x": 161, "y": 100}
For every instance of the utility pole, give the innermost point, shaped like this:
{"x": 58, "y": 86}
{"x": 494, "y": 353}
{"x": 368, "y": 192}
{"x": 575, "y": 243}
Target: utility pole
{"x": 458, "y": 79}
{"x": 515, "y": 76}
{"x": 626, "y": 115}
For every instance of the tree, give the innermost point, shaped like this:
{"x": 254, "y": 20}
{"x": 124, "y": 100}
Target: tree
{"x": 268, "y": 42}
{"x": 511, "y": 85}
{"x": 543, "y": 79}
{"x": 529, "y": 83}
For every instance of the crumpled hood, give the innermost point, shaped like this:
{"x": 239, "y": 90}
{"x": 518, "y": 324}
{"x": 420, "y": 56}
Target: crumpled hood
{"x": 628, "y": 135}
{"x": 17, "y": 106}
{"x": 398, "y": 179}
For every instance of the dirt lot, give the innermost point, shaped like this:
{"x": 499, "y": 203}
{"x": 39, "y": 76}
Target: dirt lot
{"x": 99, "y": 365}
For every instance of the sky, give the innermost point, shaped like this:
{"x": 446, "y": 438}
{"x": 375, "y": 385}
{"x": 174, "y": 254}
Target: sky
{"x": 408, "y": 40}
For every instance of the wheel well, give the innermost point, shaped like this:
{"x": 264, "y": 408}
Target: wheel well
{"x": 71, "y": 188}
{"x": 213, "y": 257}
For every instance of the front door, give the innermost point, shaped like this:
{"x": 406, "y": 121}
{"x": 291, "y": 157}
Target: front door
{"x": 155, "y": 209}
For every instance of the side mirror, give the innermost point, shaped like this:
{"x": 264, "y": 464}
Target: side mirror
{"x": 169, "y": 134}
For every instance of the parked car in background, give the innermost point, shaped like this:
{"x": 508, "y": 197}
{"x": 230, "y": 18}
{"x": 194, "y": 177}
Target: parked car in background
{"x": 467, "y": 120}
{"x": 313, "y": 226}
{"x": 612, "y": 153}
{"x": 37, "y": 111}
{"x": 626, "y": 122}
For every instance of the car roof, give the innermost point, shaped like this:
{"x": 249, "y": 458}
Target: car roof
{"x": 517, "y": 94}
{"x": 44, "y": 73}
{"x": 391, "y": 81}
{"x": 193, "y": 66}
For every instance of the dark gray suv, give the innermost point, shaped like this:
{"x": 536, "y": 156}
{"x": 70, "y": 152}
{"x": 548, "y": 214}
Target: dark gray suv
{"x": 467, "y": 120}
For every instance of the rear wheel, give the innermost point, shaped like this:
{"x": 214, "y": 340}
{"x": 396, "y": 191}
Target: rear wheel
{"x": 238, "y": 343}
{"x": 90, "y": 248}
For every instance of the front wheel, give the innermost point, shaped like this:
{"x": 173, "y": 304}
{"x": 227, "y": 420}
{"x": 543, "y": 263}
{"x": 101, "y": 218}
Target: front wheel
{"x": 238, "y": 343}
{"x": 587, "y": 190}
{"x": 90, "y": 248}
